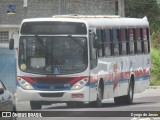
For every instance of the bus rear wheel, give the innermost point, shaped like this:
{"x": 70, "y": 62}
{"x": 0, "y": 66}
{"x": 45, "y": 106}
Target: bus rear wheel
{"x": 129, "y": 96}
{"x": 119, "y": 100}
{"x": 35, "y": 105}
{"x": 127, "y": 99}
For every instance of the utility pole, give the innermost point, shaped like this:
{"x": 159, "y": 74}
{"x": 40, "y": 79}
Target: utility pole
{"x": 62, "y": 7}
{"x": 121, "y": 9}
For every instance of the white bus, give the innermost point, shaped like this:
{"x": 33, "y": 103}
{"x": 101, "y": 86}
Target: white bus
{"x": 82, "y": 59}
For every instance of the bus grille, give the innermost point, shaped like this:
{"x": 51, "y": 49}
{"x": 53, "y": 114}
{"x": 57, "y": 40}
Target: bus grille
{"x": 53, "y": 87}
{"x": 51, "y": 94}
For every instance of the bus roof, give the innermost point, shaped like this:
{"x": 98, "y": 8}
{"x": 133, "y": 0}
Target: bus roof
{"x": 52, "y": 19}
{"x": 118, "y": 23}
{"x": 97, "y": 21}
{"x": 86, "y": 16}
{"x": 109, "y": 21}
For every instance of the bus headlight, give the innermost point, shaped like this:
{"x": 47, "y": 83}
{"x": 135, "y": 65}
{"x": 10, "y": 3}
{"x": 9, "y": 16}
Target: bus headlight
{"x": 24, "y": 84}
{"x": 80, "y": 84}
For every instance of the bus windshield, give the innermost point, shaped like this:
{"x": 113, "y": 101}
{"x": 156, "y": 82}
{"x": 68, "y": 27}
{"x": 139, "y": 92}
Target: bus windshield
{"x": 53, "y": 54}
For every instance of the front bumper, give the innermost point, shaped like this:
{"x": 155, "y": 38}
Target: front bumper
{"x": 55, "y": 96}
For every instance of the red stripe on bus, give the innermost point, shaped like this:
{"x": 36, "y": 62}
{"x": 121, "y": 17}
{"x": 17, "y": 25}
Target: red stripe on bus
{"x": 53, "y": 80}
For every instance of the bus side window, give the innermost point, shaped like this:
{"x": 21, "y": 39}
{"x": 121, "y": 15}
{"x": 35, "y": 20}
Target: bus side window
{"x": 116, "y": 42}
{"x": 103, "y": 43}
{"x": 107, "y": 39}
{"x": 135, "y": 42}
{"x": 138, "y": 39}
{"x": 127, "y": 41}
{"x": 119, "y": 41}
{"x": 93, "y": 51}
{"x": 145, "y": 39}
{"x": 142, "y": 41}
{"x": 123, "y": 42}
{"x": 131, "y": 41}
{"x": 100, "y": 37}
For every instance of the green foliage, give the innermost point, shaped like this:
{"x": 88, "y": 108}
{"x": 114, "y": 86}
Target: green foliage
{"x": 155, "y": 60}
{"x": 154, "y": 82}
{"x": 155, "y": 40}
{"x": 141, "y": 8}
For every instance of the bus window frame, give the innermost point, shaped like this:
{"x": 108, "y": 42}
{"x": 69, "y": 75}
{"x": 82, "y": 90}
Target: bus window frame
{"x": 93, "y": 60}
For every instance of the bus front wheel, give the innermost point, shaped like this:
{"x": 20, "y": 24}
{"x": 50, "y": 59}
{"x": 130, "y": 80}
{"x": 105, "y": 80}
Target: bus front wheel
{"x": 98, "y": 102}
{"x": 129, "y": 96}
{"x": 74, "y": 104}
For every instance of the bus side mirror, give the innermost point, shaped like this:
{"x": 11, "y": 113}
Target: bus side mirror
{"x": 96, "y": 42}
{"x": 11, "y": 44}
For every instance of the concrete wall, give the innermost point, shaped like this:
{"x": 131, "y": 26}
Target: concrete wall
{"x": 93, "y": 7}
{"x": 48, "y": 8}
{"x": 35, "y": 8}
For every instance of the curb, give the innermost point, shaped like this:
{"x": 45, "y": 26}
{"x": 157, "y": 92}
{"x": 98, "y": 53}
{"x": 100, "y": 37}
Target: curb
{"x": 154, "y": 87}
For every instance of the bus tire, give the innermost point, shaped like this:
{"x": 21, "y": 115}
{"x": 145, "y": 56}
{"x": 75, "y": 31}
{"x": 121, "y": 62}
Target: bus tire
{"x": 74, "y": 104}
{"x": 129, "y": 96}
{"x": 127, "y": 99}
{"x": 119, "y": 100}
{"x": 99, "y": 97}
{"x": 35, "y": 105}
{"x": 98, "y": 102}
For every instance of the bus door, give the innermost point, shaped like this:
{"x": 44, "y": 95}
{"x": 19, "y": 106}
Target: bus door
{"x": 93, "y": 65}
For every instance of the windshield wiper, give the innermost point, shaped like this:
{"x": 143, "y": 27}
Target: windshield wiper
{"x": 41, "y": 44}
{"x": 39, "y": 41}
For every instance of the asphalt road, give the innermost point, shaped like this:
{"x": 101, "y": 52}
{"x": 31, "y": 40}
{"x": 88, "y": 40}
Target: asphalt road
{"x": 148, "y": 100}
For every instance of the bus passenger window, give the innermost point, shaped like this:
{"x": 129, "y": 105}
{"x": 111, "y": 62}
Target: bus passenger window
{"x": 123, "y": 42}
{"x": 127, "y": 41}
{"x": 135, "y": 42}
{"x": 145, "y": 39}
{"x": 131, "y": 41}
{"x": 142, "y": 41}
{"x": 108, "y": 42}
{"x": 93, "y": 52}
{"x": 138, "y": 39}
{"x": 116, "y": 42}
{"x": 99, "y": 35}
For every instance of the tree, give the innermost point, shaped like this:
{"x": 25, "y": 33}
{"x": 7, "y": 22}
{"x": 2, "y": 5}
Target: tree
{"x": 155, "y": 60}
{"x": 155, "y": 40}
{"x": 141, "y": 8}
